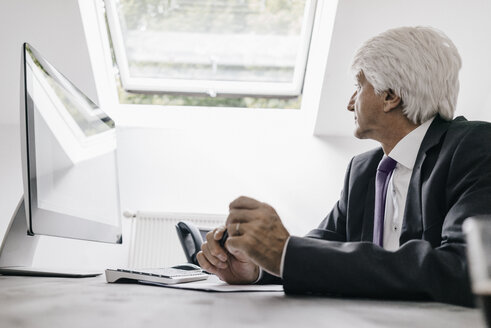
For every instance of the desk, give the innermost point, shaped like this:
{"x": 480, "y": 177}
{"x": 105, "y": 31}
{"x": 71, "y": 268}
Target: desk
{"x": 91, "y": 302}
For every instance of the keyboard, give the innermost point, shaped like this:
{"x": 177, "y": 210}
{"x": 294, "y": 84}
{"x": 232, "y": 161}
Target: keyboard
{"x": 166, "y": 276}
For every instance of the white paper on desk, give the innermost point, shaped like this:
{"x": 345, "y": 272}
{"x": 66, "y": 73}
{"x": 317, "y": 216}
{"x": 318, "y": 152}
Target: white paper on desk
{"x": 213, "y": 284}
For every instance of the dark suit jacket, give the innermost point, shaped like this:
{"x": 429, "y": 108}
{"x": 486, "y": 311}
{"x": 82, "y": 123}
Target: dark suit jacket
{"x": 451, "y": 181}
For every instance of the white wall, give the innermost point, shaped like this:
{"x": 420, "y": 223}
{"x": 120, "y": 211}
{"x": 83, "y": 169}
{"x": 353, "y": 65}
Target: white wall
{"x": 466, "y": 22}
{"x": 55, "y": 29}
{"x": 10, "y": 173}
{"x": 201, "y": 170}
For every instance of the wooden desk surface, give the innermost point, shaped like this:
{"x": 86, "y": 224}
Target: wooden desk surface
{"x": 91, "y": 302}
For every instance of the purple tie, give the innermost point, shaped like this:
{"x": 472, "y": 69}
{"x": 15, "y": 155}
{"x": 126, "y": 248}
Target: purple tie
{"x": 384, "y": 171}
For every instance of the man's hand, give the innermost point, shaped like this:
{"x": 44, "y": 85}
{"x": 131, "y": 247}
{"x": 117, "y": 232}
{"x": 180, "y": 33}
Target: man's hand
{"x": 256, "y": 230}
{"x": 232, "y": 268}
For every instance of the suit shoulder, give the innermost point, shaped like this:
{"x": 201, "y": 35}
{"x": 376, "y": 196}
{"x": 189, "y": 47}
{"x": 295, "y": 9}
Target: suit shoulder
{"x": 469, "y": 136}
{"x": 460, "y": 127}
{"x": 368, "y": 157}
{"x": 372, "y": 153}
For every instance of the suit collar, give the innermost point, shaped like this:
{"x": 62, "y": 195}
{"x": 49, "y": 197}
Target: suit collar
{"x": 406, "y": 150}
{"x": 432, "y": 138}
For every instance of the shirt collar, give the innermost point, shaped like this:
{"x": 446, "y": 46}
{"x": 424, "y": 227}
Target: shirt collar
{"x": 406, "y": 150}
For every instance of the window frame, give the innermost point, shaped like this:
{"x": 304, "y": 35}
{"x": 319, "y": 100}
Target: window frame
{"x": 212, "y": 87}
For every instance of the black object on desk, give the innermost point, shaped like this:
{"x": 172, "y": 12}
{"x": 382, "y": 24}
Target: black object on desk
{"x": 191, "y": 239}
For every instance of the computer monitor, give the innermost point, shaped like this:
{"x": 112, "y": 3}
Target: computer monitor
{"x": 68, "y": 148}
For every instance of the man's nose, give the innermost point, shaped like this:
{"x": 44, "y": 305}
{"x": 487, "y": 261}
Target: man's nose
{"x": 351, "y": 103}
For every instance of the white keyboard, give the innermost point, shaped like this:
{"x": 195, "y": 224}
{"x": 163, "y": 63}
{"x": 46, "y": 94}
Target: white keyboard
{"x": 159, "y": 275}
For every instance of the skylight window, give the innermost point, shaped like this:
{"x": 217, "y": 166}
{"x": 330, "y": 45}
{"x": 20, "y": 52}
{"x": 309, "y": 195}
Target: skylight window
{"x": 252, "y": 48}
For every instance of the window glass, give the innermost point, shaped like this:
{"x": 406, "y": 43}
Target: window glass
{"x": 245, "y": 48}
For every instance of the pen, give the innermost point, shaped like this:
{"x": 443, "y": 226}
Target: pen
{"x": 223, "y": 239}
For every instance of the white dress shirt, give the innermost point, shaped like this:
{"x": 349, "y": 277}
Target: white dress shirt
{"x": 405, "y": 153}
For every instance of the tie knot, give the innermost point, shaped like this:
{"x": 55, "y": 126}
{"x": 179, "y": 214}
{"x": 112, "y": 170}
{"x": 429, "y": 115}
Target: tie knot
{"x": 387, "y": 164}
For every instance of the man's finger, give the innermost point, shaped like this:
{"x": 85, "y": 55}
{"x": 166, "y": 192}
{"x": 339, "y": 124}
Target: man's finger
{"x": 237, "y": 245}
{"x": 213, "y": 245}
{"x": 244, "y": 202}
{"x": 218, "y": 232}
{"x": 238, "y": 228}
{"x": 239, "y": 215}
{"x": 212, "y": 259}
{"x": 205, "y": 264}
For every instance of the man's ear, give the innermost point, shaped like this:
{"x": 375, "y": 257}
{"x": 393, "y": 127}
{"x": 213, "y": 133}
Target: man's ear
{"x": 391, "y": 101}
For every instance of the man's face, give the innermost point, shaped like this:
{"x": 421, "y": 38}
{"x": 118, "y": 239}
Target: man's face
{"x": 368, "y": 108}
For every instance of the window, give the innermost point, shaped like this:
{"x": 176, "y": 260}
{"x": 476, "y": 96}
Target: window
{"x": 236, "y": 50}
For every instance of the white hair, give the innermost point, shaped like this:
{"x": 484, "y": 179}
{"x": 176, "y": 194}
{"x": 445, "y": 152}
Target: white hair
{"x": 419, "y": 64}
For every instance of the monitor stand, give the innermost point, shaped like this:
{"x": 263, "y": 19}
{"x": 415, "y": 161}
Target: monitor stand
{"x": 18, "y": 248}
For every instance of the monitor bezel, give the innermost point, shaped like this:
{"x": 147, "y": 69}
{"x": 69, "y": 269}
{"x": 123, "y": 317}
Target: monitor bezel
{"x": 42, "y": 221}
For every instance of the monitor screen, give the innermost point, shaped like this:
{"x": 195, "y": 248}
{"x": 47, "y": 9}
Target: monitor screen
{"x": 71, "y": 181}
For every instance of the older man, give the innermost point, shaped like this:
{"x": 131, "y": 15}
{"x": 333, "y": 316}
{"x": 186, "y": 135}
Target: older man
{"x": 396, "y": 231}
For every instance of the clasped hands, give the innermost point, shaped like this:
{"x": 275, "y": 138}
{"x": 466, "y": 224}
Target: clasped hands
{"x": 256, "y": 239}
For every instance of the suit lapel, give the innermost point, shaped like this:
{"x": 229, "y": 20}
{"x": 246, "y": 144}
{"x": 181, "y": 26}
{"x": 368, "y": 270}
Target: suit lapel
{"x": 412, "y": 225}
{"x": 367, "y": 228}
{"x": 370, "y": 169}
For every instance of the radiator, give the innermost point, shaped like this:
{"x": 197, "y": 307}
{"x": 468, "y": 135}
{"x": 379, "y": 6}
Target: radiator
{"x": 153, "y": 239}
